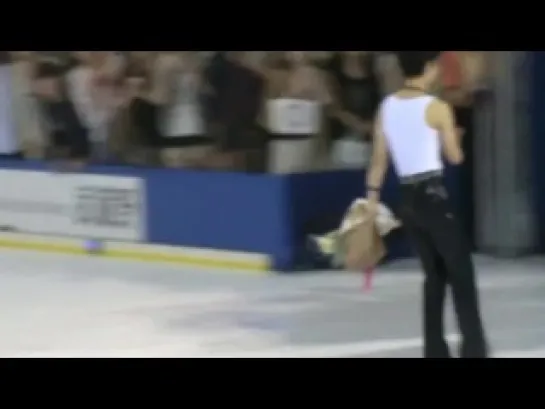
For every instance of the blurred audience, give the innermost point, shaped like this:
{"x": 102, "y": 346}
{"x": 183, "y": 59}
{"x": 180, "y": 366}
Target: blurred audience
{"x": 252, "y": 111}
{"x": 28, "y": 119}
{"x": 358, "y": 93}
{"x": 91, "y": 86}
{"x": 10, "y": 145}
{"x": 185, "y": 141}
{"x": 235, "y": 91}
{"x": 146, "y": 95}
{"x": 462, "y": 77}
{"x": 297, "y": 95}
{"x": 391, "y": 78}
{"x": 67, "y": 134}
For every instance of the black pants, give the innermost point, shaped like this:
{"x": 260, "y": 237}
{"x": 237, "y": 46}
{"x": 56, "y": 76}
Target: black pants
{"x": 446, "y": 259}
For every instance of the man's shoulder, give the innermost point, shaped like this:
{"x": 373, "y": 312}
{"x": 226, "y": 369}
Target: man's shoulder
{"x": 439, "y": 103}
{"x": 439, "y": 110}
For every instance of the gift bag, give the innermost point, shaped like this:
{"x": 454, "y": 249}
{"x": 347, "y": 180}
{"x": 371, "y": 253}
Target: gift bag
{"x": 358, "y": 243}
{"x": 364, "y": 246}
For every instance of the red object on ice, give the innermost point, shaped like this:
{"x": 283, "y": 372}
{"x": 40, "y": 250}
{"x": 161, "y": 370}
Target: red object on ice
{"x": 368, "y": 278}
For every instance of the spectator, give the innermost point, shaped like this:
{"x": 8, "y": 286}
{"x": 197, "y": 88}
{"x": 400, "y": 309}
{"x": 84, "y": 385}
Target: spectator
{"x": 358, "y": 94}
{"x": 92, "y": 88}
{"x": 214, "y": 79}
{"x": 475, "y": 65}
{"x": 28, "y": 120}
{"x": 145, "y": 93}
{"x": 122, "y": 134}
{"x": 185, "y": 140}
{"x": 462, "y": 72}
{"x": 452, "y": 81}
{"x": 297, "y": 94}
{"x": 67, "y": 134}
{"x": 233, "y": 105}
{"x": 389, "y": 72}
{"x": 321, "y": 59}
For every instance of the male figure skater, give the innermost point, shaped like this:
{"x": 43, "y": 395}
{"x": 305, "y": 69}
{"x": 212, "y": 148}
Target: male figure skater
{"x": 413, "y": 128}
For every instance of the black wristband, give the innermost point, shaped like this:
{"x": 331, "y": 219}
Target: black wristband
{"x": 373, "y": 189}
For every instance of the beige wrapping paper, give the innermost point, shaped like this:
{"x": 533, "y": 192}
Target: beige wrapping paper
{"x": 358, "y": 242}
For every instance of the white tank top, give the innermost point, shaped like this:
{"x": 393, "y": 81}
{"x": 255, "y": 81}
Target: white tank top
{"x": 414, "y": 146}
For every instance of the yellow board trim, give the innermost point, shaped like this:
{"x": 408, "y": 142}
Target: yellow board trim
{"x": 43, "y": 247}
{"x": 254, "y": 266}
{"x": 203, "y": 262}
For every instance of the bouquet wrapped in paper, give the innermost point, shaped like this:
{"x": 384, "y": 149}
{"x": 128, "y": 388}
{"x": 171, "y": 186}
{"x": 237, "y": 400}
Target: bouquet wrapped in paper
{"x": 358, "y": 243}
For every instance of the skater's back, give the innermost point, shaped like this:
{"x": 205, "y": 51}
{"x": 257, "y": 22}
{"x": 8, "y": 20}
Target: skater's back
{"x": 414, "y": 145}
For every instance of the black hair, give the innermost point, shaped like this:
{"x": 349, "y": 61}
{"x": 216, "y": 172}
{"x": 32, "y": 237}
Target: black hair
{"x": 413, "y": 63}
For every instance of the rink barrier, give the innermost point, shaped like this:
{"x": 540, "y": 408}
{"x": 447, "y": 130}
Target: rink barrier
{"x": 139, "y": 252}
{"x": 218, "y": 219}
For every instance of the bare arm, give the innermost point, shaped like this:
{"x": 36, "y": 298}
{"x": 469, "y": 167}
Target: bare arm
{"x": 354, "y": 122}
{"x": 379, "y": 163}
{"x": 441, "y": 117}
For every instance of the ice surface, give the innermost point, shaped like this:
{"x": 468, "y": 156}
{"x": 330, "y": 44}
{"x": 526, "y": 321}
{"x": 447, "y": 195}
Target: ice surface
{"x": 74, "y": 306}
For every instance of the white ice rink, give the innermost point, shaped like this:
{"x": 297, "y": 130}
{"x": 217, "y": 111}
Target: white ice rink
{"x": 73, "y": 306}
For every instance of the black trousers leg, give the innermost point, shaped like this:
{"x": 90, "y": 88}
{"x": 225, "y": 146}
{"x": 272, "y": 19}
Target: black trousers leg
{"x": 435, "y": 292}
{"x": 455, "y": 251}
{"x": 429, "y": 215}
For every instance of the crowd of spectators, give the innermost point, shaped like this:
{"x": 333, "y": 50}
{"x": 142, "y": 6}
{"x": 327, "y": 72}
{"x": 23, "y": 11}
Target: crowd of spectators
{"x": 252, "y": 111}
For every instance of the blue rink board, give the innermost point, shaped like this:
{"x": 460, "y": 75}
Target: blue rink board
{"x": 264, "y": 214}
